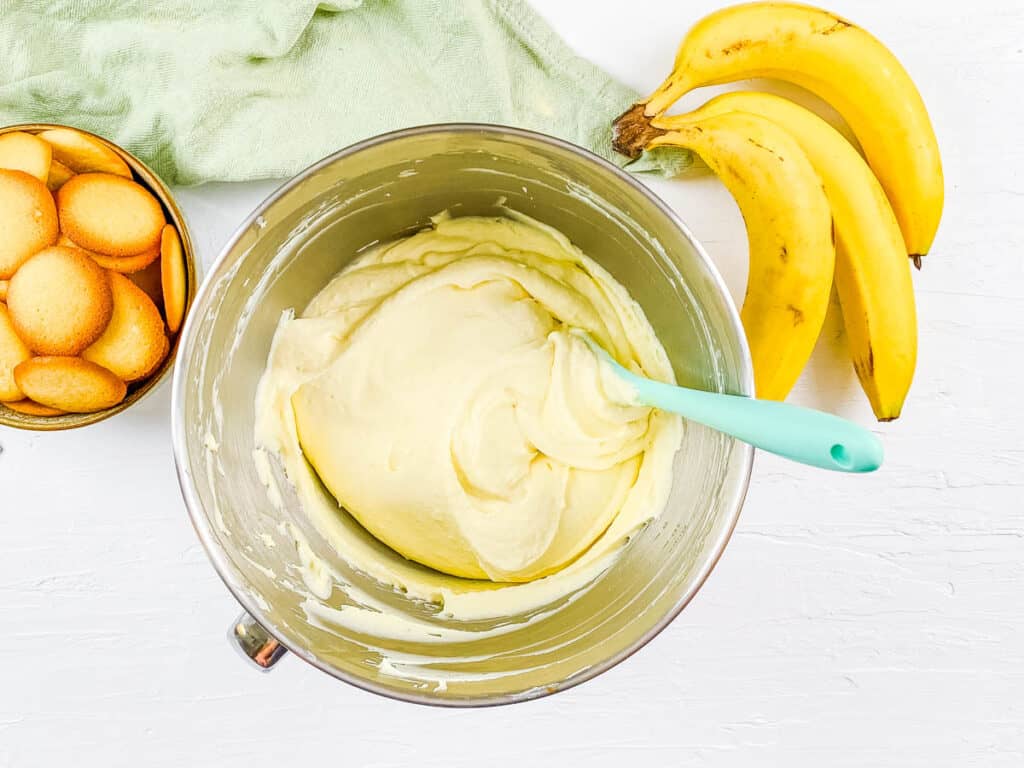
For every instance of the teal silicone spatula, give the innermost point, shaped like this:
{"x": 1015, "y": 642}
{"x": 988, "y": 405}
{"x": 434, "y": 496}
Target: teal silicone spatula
{"x": 801, "y": 434}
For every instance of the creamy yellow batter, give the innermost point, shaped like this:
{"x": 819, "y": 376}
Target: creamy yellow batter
{"x": 438, "y": 389}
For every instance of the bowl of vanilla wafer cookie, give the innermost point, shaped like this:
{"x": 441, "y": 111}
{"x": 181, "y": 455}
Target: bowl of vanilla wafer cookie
{"x": 96, "y": 278}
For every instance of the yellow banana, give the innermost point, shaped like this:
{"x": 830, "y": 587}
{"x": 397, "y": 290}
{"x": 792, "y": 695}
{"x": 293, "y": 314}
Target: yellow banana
{"x": 789, "y": 225}
{"x": 841, "y": 63}
{"x": 872, "y": 273}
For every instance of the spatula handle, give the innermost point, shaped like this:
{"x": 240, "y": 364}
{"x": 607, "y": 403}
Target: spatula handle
{"x": 807, "y": 436}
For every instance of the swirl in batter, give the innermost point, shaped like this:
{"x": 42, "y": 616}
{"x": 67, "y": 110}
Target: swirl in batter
{"x": 439, "y": 391}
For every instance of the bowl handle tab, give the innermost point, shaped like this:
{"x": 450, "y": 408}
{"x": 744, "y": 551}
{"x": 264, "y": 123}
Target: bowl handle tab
{"x": 254, "y": 642}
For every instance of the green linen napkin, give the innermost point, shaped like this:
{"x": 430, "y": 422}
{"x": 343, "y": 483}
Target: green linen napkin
{"x": 232, "y": 90}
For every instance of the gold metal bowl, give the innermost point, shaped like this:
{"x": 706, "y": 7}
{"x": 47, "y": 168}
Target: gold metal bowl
{"x": 137, "y": 391}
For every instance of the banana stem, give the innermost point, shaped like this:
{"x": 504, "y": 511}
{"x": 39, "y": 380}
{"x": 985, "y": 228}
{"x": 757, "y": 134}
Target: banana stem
{"x": 633, "y": 132}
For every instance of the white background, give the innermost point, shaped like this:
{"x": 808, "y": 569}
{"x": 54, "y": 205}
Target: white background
{"x": 852, "y": 621}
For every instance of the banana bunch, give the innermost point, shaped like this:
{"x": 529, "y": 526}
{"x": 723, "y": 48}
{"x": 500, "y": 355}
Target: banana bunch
{"x": 815, "y": 209}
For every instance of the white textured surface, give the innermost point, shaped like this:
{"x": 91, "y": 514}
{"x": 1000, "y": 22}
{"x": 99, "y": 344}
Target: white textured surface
{"x": 852, "y": 621}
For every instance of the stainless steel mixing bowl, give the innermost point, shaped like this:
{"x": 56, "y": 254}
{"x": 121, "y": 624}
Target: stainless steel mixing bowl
{"x": 284, "y": 254}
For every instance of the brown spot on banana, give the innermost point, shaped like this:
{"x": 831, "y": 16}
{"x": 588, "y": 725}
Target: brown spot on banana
{"x": 798, "y": 315}
{"x": 632, "y": 132}
{"x": 727, "y": 169}
{"x": 839, "y": 26}
{"x": 736, "y": 47}
{"x": 768, "y": 150}
{"x": 865, "y": 367}
{"x": 784, "y": 254}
